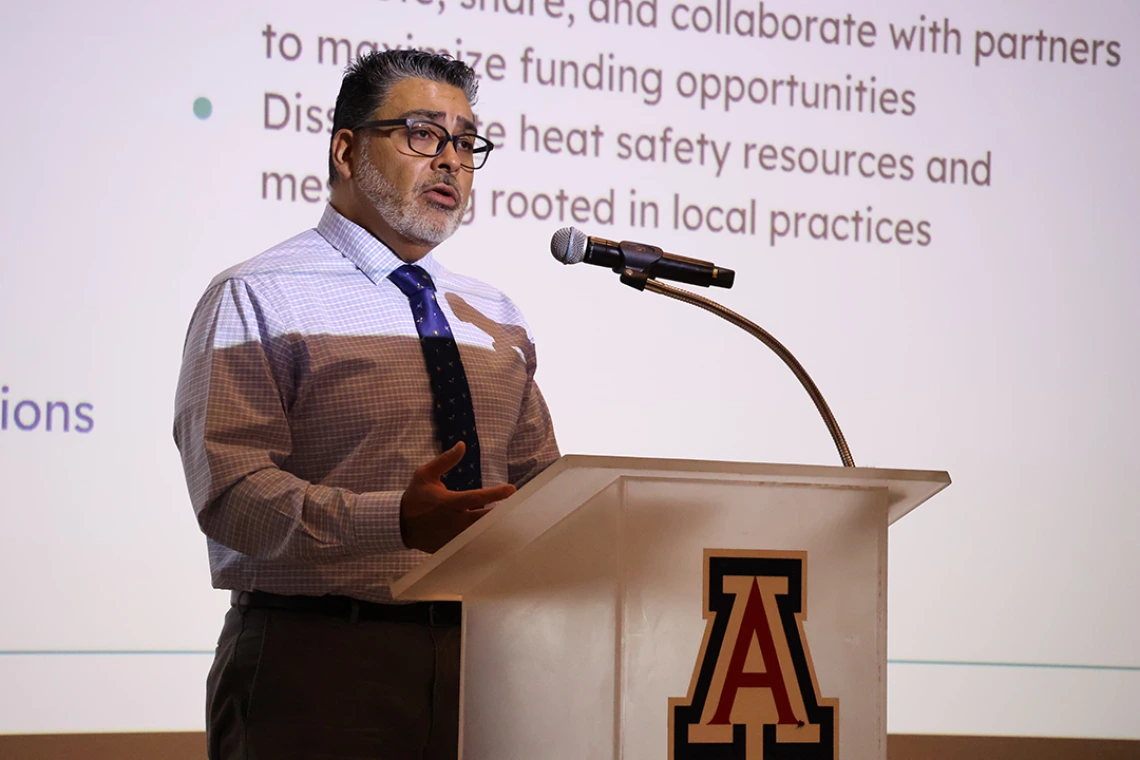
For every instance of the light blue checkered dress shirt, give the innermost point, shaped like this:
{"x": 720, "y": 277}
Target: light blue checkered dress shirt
{"x": 304, "y": 407}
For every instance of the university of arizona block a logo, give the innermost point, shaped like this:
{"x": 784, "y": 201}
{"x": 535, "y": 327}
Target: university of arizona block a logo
{"x": 753, "y": 694}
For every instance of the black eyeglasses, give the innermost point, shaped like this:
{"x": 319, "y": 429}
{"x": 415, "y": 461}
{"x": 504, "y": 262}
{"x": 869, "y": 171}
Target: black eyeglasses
{"x": 429, "y": 139}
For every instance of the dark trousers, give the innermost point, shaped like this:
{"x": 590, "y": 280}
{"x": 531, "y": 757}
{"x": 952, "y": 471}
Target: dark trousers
{"x": 288, "y": 684}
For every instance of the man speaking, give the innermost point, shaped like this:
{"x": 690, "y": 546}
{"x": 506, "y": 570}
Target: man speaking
{"x": 347, "y": 404}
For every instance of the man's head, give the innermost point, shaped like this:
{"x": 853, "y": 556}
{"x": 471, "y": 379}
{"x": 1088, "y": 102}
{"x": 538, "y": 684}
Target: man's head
{"x": 380, "y": 176}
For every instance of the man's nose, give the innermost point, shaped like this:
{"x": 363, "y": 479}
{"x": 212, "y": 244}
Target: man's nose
{"x": 448, "y": 158}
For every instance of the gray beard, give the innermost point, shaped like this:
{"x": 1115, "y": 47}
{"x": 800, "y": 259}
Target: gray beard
{"x": 419, "y": 225}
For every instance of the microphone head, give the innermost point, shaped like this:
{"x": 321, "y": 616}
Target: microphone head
{"x": 569, "y": 245}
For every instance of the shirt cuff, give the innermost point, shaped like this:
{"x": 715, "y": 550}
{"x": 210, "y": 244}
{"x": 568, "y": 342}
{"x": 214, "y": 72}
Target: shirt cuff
{"x": 377, "y": 522}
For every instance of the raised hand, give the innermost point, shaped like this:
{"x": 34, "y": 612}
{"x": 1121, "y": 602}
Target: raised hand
{"x": 431, "y": 515}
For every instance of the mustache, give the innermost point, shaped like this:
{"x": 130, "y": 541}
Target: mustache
{"x": 442, "y": 179}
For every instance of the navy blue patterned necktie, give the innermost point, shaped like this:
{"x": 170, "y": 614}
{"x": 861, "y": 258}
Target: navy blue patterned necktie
{"x": 454, "y": 414}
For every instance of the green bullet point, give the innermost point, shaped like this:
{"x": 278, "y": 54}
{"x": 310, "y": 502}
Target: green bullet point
{"x": 203, "y": 108}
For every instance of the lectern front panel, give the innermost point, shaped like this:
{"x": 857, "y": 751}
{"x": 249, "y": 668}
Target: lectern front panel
{"x": 588, "y": 642}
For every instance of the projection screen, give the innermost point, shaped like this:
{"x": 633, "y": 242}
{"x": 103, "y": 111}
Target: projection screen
{"x": 931, "y": 206}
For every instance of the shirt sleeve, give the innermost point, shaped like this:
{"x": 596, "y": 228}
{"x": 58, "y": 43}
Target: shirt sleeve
{"x": 532, "y": 447}
{"x": 232, "y": 429}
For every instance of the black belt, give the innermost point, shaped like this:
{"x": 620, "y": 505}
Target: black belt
{"x": 424, "y": 613}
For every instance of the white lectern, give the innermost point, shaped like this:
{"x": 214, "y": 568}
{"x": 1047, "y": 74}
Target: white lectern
{"x": 645, "y": 608}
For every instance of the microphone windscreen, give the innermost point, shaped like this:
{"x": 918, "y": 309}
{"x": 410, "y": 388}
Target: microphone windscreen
{"x": 569, "y": 245}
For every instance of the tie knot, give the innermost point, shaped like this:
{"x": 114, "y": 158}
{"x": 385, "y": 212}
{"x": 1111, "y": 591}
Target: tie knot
{"x": 411, "y": 279}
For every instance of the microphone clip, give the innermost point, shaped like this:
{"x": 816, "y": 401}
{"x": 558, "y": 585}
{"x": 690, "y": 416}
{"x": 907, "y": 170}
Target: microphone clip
{"x": 638, "y": 260}
{"x": 635, "y": 278}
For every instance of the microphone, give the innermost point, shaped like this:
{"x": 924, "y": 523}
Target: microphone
{"x": 571, "y": 246}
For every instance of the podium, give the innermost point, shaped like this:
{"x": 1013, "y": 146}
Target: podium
{"x": 647, "y": 608}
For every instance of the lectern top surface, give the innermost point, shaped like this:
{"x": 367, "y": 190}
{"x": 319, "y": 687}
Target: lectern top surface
{"x": 575, "y": 479}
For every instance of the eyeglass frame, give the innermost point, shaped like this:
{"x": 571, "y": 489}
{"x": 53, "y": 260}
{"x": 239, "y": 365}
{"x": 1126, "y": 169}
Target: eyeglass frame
{"x": 483, "y": 148}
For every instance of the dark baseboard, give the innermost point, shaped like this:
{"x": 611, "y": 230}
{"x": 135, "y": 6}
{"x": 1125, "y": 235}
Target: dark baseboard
{"x": 940, "y": 747}
{"x": 192, "y": 746}
{"x": 189, "y": 745}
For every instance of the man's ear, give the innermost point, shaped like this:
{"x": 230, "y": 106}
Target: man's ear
{"x": 344, "y": 145}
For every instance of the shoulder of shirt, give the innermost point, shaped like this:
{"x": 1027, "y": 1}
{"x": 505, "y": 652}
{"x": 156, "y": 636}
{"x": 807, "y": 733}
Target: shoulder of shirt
{"x": 305, "y": 254}
{"x": 489, "y": 299}
{"x": 465, "y": 285}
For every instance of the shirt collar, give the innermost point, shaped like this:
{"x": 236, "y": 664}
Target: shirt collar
{"x": 363, "y": 249}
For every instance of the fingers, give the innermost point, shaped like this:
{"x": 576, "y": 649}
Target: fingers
{"x": 474, "y": 500}
{"x": 431, "y": 515}
{"x": 436, "y": 468}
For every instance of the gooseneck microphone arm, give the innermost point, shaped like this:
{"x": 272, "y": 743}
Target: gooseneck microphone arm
{"x": 768, "y": 340}
{"x": 639, "y": 265}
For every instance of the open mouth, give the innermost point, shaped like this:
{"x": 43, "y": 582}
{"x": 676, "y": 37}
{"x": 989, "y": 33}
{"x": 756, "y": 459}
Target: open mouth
{"x": 443, "y": 194}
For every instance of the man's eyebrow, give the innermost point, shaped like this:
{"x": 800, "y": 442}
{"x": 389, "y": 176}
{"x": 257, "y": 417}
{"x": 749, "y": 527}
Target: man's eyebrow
{"x": 423, "y": 113}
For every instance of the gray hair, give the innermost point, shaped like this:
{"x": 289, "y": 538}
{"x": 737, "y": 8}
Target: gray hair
{"x": 368, "y": 80}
